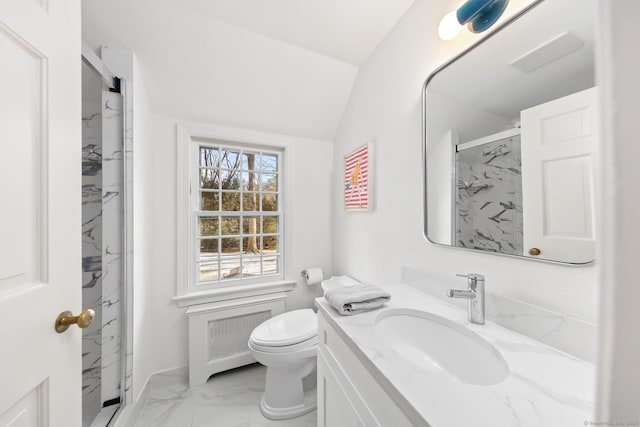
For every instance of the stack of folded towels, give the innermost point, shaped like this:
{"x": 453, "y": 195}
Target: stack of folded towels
{"x": 356, "y": 298}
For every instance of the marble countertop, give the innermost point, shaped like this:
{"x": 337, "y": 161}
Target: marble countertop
{"x": 545, "y": 387}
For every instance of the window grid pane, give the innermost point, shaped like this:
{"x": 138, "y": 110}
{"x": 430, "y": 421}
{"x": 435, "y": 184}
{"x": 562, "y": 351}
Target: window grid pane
{"x": 208, "y": 272}
{"x": 239, "y": 242}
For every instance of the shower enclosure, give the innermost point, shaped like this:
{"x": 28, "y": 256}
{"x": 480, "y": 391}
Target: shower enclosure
{"x": 488, "y": 190}
{"x": 104, "y": 243}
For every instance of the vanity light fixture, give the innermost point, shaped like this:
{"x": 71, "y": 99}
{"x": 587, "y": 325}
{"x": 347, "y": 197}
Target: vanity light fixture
{"x": 478, "y": 15}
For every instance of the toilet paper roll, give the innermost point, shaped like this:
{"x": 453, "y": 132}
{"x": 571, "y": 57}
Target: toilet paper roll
{"x": 313, "y": 276}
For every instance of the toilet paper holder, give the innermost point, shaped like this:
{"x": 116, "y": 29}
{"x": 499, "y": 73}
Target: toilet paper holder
{"x": 312, "y": 276}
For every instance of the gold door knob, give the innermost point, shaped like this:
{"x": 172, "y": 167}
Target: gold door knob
{"x": 66, "y": 319}
{"x": 534, "y": 251}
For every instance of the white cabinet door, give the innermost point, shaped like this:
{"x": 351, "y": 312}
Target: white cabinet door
{"x": 334, "y": 407}
{"x": 40, "y": 213}
{"x": 558, "y": 140}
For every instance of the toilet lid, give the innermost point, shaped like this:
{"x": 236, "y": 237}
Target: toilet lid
{"x": 286, "y": 329}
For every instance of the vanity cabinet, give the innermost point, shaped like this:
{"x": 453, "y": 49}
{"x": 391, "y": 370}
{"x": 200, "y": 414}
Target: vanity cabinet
{"x": 348, "y": 394}
{"x": 333, "y": 401}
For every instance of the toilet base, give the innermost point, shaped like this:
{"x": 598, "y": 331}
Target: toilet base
{"x": 310, "y": 404}
{"x": 290, "y": 383}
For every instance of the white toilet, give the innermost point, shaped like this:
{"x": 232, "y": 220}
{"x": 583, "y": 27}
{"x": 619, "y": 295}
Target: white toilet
{"x": 286, "y": 344}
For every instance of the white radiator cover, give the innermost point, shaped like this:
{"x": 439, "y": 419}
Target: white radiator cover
{"x": 219, "y": 333}
{"x": 229, "y": 335}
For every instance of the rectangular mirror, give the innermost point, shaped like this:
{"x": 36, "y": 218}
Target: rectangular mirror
{"x": 510, "y": 132}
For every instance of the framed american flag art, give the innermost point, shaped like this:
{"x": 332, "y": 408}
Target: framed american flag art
{"x": 358, "y": 179}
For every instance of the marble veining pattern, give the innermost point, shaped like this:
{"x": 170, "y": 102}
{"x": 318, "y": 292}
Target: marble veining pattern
{"x": 122, "y": 62}
{"x": 91, "y": 256}
{"x": 111, "y": 243}
{"x": 229, "y": 399}
{"x": 488, "y": 213}
{"x": 102, "y": 242}
{"x": 545, "y": 387}
{"x": 574, "y": 336}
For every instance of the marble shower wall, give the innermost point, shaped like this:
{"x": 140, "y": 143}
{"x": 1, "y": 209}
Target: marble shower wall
{"x": 112, "y": 182}
{"x": 488, "y": 207}
{"x": 121, "y": 169}
{"x": 91, "y": 243}
{"x": 102, "y": 181}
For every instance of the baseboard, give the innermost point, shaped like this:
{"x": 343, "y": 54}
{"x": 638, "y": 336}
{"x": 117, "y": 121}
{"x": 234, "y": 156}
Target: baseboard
{"x": 128, "y": 416}
{"x": 177, "y": 371}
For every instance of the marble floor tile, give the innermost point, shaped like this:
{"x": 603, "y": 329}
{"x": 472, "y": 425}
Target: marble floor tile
{"x": 228, "y": 399}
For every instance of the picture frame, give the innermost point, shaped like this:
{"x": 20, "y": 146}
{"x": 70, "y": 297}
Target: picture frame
{"x": 358, "y": 179}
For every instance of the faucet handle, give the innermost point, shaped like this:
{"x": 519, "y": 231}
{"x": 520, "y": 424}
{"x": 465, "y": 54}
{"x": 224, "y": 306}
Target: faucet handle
{"x": 471, "y": 276}
{"x": 472, "y": 279}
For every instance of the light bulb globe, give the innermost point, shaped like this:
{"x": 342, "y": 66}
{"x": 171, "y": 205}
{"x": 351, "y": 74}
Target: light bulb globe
{"x": 449, "y": 26}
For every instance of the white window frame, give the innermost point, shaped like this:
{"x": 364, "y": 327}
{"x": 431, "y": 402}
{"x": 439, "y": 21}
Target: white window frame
{"x": 189, "y": 138}
{"x": 196, "y": 192}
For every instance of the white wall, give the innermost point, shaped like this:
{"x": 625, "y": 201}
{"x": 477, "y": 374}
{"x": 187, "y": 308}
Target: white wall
{"x": 385, "y": 105}
{"x": 618, "y": 368}
{"x": 466, "y": 120}
{"x": 142, "y": 230}
{"x": 161, "y": 327}
{"x": 439, "y": 187}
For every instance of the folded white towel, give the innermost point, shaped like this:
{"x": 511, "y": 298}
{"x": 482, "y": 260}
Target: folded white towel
{"x": 356, "y": 299}
{"x": 338, "y": 282}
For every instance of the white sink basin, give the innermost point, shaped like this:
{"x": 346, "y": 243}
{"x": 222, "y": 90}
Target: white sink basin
{"x": 434, "y": 343}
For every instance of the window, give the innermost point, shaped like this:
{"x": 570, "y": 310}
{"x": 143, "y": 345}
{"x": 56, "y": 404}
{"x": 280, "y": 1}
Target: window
{"x": 236, "y": 201}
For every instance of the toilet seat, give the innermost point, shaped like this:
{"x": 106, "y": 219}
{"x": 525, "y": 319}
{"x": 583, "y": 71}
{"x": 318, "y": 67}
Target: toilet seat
{"x": 286, "y": 332}
{"x": 310, "y": 343}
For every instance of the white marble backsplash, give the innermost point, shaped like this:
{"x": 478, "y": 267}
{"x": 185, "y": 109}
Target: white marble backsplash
{"x": 571, "y": 335}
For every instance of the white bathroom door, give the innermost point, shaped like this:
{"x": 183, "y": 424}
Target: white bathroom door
{"x": 558, "y": 140}
{"x": 40, "y": 212}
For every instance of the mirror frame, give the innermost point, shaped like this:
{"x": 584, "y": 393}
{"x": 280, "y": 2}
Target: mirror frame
{"x": 425, "y": 230}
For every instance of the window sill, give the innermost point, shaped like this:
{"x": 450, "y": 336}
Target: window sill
{"x": 233, "y": 292}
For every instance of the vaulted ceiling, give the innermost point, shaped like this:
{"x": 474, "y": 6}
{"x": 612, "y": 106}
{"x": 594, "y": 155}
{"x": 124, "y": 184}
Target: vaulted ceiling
{"x": 283, "y": 66}
{"x": 345, "y": 30}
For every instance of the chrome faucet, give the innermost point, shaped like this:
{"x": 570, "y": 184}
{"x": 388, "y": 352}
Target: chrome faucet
{"x": 475, "y": 295}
